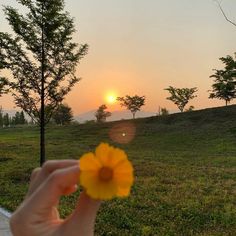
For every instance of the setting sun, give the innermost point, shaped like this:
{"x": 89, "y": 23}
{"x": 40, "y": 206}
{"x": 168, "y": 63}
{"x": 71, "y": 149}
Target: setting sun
{"x": 111, "y": 98}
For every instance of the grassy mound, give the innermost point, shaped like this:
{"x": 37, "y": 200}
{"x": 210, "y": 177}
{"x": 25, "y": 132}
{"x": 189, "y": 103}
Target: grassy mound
{"x": 185, "y": 168}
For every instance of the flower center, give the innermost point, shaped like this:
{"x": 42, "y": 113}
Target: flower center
{"x": 105, "y": 174}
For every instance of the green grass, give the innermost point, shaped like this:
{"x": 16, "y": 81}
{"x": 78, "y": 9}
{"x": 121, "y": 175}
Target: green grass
{"x": 185, "y": 168}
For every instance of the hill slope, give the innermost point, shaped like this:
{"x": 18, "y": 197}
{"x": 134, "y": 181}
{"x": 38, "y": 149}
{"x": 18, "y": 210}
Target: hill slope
{"x": 115, "y": 115}
{"x": 185, "y": 168}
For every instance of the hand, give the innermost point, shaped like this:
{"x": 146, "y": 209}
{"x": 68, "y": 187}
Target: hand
{"x": 38, "y": 214}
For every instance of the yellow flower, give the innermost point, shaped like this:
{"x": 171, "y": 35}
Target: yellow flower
{"x": 107, "y": 173}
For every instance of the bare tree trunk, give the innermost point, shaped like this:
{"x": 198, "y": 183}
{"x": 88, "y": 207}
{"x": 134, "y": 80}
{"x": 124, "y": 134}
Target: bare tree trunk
{"x": 133, "y": 115}
{"x": 42, "y": 113}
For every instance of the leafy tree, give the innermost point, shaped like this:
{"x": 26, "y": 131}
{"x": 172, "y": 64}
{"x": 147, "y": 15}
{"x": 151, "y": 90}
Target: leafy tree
{"x": 230, "y": 65}
{"x": 3, "y": 83}
{"x": 101, "y": 114}
{"x": 41, "y": 57}
{"x": 22, "y": 118}
{"x": 224, "y": 86}
{"x": 191, "y": 108}
{"x": 164, "y": 111}
{"x": 6, "y": 120}
{"x": 18, "y": 119}
{"x": 181, "y": 96}
{"x": 1, "y": 87}
{"x": 132, "y": 103}
{"x": 3, "y": 80}
{"x": 1, "y": 117}
{"x": 62, "y": 115}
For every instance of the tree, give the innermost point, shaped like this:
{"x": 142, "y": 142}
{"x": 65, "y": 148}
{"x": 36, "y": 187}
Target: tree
{"x": 1, "y": 87}
{"x": 23, "y": 121}
{"x": 225, "y": 16}
{"x": 18, "y": 119}
{"x": 164, "y": 111}
{"x": 41, "y": 57}
{"x": 62, "y": 115}
{"x": 181, "y": 96}
{"x": 132, "y": 103}
{"x": 1, "y": 117}
{"x": 191, "y": 108}
{"x": 6, "y": 120}
{"x": 3, "y": 80}
{"x": 101, "y": 114}
{"x": 3, "y": 84}
{"x": 224, "y": 86}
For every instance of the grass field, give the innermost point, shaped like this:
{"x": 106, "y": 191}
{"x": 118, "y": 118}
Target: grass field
{"x": 185, "y": 168}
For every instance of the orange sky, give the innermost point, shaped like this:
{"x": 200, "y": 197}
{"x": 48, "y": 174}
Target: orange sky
{"x": 141, "y": 47}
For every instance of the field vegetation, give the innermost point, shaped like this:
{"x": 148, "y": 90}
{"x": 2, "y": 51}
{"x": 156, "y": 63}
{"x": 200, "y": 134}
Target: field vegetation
{"x": 185, "y": 171}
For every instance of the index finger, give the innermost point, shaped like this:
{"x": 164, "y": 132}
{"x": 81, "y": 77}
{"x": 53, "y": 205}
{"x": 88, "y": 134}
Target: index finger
{"x": 48, "y": 194}
{"x": 39, "y": 175}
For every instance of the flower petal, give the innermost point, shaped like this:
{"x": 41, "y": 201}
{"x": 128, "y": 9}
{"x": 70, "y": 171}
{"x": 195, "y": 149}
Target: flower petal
{"x": 102, "y": 152}
{"x": 89, "y": 162}
{"x": 123, "y": 192}
{"x": 123, "y": 174}
{"x": 103, "y": 190}
{"x": 124, "y": 166}
{"x": 116, "y": 156}
{"x": 88, "y": 179}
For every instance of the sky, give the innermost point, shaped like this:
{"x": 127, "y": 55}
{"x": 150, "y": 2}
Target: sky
{"x": 144, "y": 46}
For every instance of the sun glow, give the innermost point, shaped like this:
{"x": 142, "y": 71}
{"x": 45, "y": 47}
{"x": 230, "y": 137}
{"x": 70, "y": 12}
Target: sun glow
{"x": 111, "y": 98}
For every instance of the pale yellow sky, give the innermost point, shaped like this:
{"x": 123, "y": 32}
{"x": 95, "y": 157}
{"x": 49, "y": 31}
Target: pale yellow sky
{"x": 141, "y": 47}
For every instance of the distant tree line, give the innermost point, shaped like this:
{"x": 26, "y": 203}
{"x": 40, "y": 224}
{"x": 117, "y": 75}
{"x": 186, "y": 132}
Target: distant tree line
{"x": 61, "y": 116}
{"x": 7, "y": 121}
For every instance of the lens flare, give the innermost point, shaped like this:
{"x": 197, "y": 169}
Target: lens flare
{"x": 123, "y": 132}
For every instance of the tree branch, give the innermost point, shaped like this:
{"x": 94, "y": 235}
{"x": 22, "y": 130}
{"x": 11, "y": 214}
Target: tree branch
{"x": 225, "y": 16}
